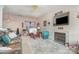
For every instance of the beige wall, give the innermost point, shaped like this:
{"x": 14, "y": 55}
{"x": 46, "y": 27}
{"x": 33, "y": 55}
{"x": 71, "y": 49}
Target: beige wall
{"x": 15, "y": 21}
{"x": 71, "y": 30}
{"x": 1, "y": 16}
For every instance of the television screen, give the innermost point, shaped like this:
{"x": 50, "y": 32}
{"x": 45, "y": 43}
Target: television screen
{"x": 62, "y": 20}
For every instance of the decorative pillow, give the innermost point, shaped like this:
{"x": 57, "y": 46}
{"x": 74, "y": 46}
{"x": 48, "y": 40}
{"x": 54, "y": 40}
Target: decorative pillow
{"x": 6, "y": 39}
{"x": 12, "y": 35}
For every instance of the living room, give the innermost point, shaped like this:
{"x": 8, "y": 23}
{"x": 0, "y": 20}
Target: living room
{"x": 62, "y": 36}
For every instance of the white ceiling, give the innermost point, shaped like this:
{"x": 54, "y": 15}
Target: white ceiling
{"x": 26, "y": 10}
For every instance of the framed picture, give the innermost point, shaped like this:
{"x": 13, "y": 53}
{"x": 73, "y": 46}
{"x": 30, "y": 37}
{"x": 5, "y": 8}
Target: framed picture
{"x": 45, "y": 23}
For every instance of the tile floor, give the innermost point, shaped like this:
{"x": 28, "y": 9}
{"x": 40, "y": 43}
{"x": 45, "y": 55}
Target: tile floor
{"x": 40, "y": 46}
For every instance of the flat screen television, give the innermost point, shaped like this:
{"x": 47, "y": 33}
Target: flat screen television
{"x": 62, "y": 20}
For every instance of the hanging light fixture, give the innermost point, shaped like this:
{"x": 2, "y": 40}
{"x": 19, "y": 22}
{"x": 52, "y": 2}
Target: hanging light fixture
{"x": 35, "y": 8}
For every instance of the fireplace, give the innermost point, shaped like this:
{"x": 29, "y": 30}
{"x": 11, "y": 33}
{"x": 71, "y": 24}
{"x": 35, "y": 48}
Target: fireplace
{"x": 60, "y": 37}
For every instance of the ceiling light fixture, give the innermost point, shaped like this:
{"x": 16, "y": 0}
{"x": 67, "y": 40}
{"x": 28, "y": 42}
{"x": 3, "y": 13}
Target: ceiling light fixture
{"x": 35, "y": 8}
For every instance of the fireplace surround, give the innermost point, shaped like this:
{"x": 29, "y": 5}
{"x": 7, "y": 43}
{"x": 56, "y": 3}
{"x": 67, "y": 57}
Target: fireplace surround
{"x": 60, "y": 37}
